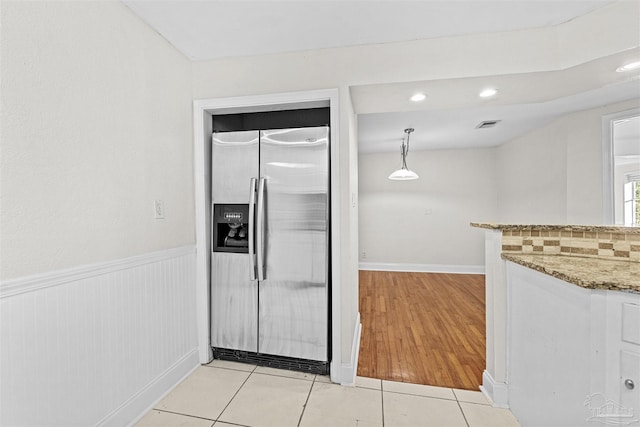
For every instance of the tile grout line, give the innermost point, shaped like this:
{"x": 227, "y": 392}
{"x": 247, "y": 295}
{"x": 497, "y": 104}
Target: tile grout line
{"x": 229, "y": 369}
{"x": 307, "y": 401}
{"x": 382, "y": 401}
{"x": 180, "y": 413}
{"x": 455, "y": 396}
{"x": 231, "y": 424}
{"x": 235, "y": 394}
{"x": 468, "y": 402}
{"x": 286, "y": 376}
{"x": 461, "y": 411}
{"x": 475, "y": 403}
{"x": 423, "y": 395}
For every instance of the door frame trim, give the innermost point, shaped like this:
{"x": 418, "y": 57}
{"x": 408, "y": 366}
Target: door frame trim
{"x": 203, "y": 109}
{"x": 608, "y": 167}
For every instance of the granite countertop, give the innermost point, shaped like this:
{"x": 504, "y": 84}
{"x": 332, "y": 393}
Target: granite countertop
{"x": 565, "y": 227}
{"x": 590, "y": 273}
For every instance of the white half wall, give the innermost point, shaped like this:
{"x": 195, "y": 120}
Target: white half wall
{"x": 425, "y": 222}
{"x": 97, "y": 344}
{"x": 96, "y": 125}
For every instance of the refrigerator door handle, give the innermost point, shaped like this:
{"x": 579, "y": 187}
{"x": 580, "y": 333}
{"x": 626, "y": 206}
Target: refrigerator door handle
{"x": 213, "y": 243}
{"x": 252, "y": 246}
{"x": 260, "y": 230}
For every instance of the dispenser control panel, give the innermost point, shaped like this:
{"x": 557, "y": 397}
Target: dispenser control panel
{"x": 231, "y": 228}
{"x": 234, "y": 216}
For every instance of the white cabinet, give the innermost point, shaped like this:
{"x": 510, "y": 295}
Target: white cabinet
{"x": 631, "y": 323}
{"x": 569, "y": 351}
{"x": 630, "y": 392}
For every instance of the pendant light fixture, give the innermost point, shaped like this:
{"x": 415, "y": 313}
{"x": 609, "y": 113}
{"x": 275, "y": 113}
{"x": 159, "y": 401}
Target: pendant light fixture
{"x": 404, "y": 173}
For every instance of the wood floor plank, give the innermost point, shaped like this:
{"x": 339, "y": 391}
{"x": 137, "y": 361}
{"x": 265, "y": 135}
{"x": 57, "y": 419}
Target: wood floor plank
{"x": 424, "y": 328}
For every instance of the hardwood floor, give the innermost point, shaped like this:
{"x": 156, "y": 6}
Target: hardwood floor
{"x": 424, "y": 328}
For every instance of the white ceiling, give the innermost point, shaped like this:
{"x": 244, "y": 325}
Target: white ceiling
{"x": 447, "y": 119}
{"x": 455, "y": 128}
{"x": 212, "y": 29}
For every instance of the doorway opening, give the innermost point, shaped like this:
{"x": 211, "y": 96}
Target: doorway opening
{"x": 419, "y": 255}
{"x": 423, "y": 328}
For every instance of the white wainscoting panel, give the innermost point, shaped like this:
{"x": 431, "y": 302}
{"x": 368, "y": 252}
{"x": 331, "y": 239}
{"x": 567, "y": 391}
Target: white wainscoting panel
{"x": 76, "y": 348}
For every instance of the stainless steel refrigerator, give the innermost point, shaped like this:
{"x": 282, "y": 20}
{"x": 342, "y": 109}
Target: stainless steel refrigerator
{"x": 270, "y": 240}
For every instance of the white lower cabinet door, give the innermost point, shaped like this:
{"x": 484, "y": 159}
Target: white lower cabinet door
{"x": 630, "y": 385}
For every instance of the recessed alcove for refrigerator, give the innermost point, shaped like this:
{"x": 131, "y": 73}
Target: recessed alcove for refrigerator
{"x": 270, "y": 300}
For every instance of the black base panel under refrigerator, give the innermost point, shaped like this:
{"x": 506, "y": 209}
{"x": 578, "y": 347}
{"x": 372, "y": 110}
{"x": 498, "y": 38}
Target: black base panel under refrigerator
{"x": 278, "y": 362}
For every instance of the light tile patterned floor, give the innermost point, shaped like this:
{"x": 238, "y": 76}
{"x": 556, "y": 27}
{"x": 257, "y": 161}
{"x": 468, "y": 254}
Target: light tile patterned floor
{"x": 227, "y": 394}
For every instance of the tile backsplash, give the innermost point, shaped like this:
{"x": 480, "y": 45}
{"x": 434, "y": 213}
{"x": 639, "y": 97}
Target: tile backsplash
{"x": 593, "y": 244}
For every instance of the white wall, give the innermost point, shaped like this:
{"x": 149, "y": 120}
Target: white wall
{"x": 456, "y": 186}
{"x": 96, "y": 124}
{"x": 554, "y": 174}
{"x": 532, "y": 184}
{"x": 96, "y": 303}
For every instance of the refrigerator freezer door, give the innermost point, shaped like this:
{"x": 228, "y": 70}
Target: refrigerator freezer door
{"x": 234, "y": 303}
{"x": 293, "y": 298}
{"x": 234, "y": 296}
{"x": 234, "y": 161}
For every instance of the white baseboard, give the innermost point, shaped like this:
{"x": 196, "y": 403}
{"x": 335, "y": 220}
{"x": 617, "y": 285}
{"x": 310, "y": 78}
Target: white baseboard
{"x": 422, "y": 268}
{"x": 348, "y": 371}
{"x": 139, "y": 404}
{"x": 497, "y": 393}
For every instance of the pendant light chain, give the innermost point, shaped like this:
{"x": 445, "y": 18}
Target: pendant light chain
{"x": 405, "y": 148}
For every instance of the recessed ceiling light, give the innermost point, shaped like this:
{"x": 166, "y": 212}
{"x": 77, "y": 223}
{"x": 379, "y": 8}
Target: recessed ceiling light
{"x": 417, "y": 97}
{"x": 628, "y": 67}
{"x": 487, "y": 124}
{"x": 488, "y": 93}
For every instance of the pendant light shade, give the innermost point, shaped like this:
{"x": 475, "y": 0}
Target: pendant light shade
{"x": 404, "y": 173}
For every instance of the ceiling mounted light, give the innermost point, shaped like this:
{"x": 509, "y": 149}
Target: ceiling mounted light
{"x": 417, "y": 97}
{"x": 404, "y": 174}
{"x": 628, "y": 67}
{"x": 488, "y": 92}
{"x": 487, "y": 124}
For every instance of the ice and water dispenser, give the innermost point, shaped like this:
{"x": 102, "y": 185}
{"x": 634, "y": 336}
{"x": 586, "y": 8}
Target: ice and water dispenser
{"x": 231, "y": 228}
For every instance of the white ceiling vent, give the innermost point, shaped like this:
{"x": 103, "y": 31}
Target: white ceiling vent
{"x": 488, "y": 124}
